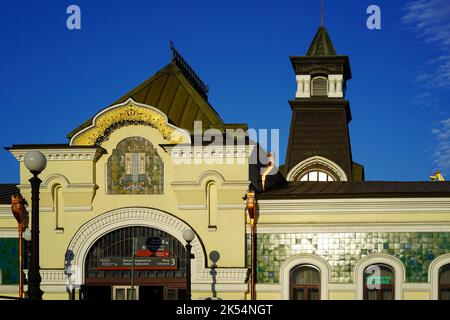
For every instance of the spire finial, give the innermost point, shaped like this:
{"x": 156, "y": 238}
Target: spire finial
{"x": 322, "y": 13}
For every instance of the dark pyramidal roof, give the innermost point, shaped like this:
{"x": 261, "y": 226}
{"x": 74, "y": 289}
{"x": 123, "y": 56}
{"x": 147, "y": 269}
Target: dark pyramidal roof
{"x": 321, "y": 44}
{"x": 179, "y": 92}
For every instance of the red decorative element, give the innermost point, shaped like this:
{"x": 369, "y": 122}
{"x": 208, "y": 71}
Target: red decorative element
{"x": 149, "y": 253}
{"x": 139, "y": 268}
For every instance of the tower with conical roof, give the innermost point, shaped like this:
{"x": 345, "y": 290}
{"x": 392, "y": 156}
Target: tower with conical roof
{"x": 319, "y": 144}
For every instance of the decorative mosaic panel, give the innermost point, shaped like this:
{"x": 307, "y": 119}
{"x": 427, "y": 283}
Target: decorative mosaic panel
{"x": 135, "y": 168}
{"x": 9, "y": 260}
{"x": 416, "y": 250}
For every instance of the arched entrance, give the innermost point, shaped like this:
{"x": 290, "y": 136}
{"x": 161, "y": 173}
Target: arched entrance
{"x": 102, "y": 225}
{"x": 157, "y": 271}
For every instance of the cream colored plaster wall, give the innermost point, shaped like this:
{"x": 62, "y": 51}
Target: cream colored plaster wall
{"x": 416, "y": 295}
{"x": 341, "y": 295}
{"x": 84, "y": 202}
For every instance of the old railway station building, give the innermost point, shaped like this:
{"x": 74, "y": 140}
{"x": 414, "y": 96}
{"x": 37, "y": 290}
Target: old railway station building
{"x": 133, "y": 171}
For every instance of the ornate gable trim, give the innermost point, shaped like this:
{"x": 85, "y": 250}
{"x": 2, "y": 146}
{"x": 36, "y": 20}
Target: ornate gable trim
{"x": 315, "y": 162}
{"x": 126, "y": 113}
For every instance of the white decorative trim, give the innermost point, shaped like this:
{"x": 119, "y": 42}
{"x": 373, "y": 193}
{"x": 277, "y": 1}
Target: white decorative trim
{"x": 303, "y": 86}
{"x": 5, "y": 212}
{"x": 9, "y": 232}
{"x": 309, "y": 259}
{"x": 238, "y": 183}
{"x": 130, "y": 100}
{"x": 53, "y": 277}
{"x": 335, "y": 87}
{"x": 61, "y": 154}
{"x": 433, "y": 274}
{"x": 208, "y": 176}
{"x": 310, "y": 163}
{"x": 55, "y": 176}
{"x": 183, "y": 152}
{"x": 379, "y": 258}
{"x": 353, "y": 227}
{"x": 47, "y": 184}
{"x": 354, "y": 206}
{"x": 223, "y": 275}
{"x": 99, "y": 226}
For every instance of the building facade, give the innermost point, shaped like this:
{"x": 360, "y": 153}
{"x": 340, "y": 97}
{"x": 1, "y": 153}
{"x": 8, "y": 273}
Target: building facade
{"x": 139, "y": 173}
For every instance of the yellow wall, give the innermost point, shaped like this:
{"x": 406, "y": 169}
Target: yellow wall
{"x": 341, "y": 295}
{"x": 77, "y": 179}
{"x": 416, "y": 295}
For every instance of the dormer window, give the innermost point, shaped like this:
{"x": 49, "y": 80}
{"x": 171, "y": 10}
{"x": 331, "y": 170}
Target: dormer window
{"x": 316, "y": 176}
{"x": 319, "y": 87}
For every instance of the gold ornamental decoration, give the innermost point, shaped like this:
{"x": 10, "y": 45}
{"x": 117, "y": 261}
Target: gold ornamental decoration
{"x": 128, "y": 113}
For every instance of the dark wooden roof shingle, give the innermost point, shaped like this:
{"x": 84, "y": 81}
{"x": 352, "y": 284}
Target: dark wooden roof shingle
{"x": 6, "y": 191}
{"x": 357, "y": 189}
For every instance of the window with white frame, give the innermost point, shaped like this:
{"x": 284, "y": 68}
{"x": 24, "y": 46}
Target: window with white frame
{"x": 444, "y": 283}
{"x": 379, "y": 282}
{"x": 305, "y": 283}
{"x": 316, "y": 175}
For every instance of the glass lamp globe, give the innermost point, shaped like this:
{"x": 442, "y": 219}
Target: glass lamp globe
{"x": 27, "y": 234}
{"x": 188, "y": 235}
{"x": 35, "y": 161}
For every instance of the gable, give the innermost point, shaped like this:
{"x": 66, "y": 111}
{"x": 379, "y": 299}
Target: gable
{"x": 170, "y": 91}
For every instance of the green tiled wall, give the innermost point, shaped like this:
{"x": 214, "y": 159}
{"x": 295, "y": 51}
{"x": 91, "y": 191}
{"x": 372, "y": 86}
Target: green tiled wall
{"x": 9, "y": 260}
{"x": 342, "y": 250}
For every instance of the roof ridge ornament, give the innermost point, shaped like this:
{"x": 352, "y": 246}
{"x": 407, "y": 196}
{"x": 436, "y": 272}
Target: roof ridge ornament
{"x": 127, "y": 113}
{"x": 188, "y": 72}
{"x": 322, "y": 14}
{"x": 437, "y": 176}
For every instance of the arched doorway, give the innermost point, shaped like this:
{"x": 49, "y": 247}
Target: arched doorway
{"x": 157, "y": 272}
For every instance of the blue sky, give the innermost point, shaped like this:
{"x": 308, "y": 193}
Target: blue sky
{"x": 53, "y": 79}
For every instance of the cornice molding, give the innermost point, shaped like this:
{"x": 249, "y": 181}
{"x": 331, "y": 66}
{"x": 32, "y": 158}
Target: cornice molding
{"x": 184, "y": 151}
{"x": 352, "y": 227}
{"x": 354, "y": 206}
{"x": 62, "y": 154}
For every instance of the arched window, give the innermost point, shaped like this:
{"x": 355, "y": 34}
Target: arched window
{"x": 58, "y": 204}
{"x": 379, "y": 282}
{"x": 444, "y": 283}
{"x": 305, "y": 283}
{"x": 211, "y": 196}
{"x": 319, "y": 87}
{"x": 316, "y": 176}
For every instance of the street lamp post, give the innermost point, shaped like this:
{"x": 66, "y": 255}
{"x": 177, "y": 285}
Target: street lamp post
{"x": 251, "y": 208}
{"x": 188, "y": 236}
{"x": 36, "y": 162}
